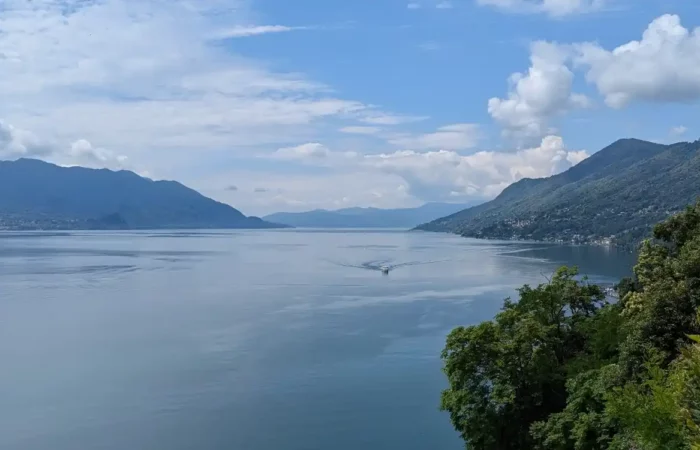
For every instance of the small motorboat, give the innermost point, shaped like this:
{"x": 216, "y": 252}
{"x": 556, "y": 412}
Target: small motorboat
{"x": 385, "y": 270}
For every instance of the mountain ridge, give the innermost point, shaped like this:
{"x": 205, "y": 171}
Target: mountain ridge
{"x": 36, "y": 194}
{"x": 614, "y": 197}
{"x": 370, "y": 217}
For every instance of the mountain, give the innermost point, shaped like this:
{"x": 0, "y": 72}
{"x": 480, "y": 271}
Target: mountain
{"x": 366, "y": 217}
{"x": 616, "y": 195}
{"x": 38, "y": 195}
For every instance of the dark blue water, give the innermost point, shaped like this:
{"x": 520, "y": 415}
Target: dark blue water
{"x": 245, "y": 340}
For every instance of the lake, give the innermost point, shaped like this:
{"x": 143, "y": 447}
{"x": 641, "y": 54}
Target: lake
{"x": 253, "y": 340}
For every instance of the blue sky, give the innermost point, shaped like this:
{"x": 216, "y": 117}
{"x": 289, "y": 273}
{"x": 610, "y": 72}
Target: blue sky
{"x": 294, "y": 105}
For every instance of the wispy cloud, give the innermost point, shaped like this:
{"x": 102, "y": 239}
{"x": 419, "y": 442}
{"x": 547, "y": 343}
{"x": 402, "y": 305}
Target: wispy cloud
{"x": 437, "y": 4}
{"x": 429, "y": 46}
{"x": 678, "y": 131}
{"x": 459, "y": 136}
{"x": 361, "y": 130}
{"x": 142, "y": 78}
{"x": 247, "y": 31}
{"x": 375, "y": 118}
{"x": 553, "y": 8}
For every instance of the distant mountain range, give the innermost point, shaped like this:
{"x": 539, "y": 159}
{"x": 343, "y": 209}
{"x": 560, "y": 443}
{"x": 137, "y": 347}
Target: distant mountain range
{"x": 38, "y": 195}
{"x": 366, "y": 217}
{"x": 615, "y": 196}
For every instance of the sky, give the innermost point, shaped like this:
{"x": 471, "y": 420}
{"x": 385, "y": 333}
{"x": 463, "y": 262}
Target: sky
{"x": 293, "y": 105}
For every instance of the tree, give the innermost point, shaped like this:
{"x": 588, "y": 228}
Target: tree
{"x": 634, "y": 400}
{"x": 661, "y": 310}
{"x": 508, "y": 373}
{"x": 663, "y": 410}
{"x": 562, "y": 369}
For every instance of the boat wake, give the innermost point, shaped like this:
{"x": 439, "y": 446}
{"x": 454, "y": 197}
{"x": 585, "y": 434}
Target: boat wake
{"x": 384, "y": 265}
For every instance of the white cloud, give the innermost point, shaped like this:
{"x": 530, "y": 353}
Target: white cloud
{"x": 437, "y": 4}
{"x": 451, "y": 137}
{"x": 678, "y": 131}
{"x": 553, "y": 8}
{"x": 664, "y": 66}
{"x": 388, "y": 119}
{"x": 304, "y": 151}
{"x": 292, "y": 192}
{"x": 482, "y": 174}
{"x": 17, "y": 143}
{"x": 361, "y": 130}
{"x": 313, "y": 153}
{"x": 247, "y": 31}
{"x": 83, "y": 153}
{"x": 143, "y": 78}
{"x": 442, "y": 174}
{"x": 538, "y": 96}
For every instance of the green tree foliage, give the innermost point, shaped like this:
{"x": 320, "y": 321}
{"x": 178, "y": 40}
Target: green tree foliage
{"x": 511, "y": 372}
{"x": 563, "y": 369}
{"x": 661, "y": 410}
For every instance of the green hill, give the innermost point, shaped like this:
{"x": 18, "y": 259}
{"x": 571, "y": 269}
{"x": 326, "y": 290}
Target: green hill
{"x": 614, "y": 196}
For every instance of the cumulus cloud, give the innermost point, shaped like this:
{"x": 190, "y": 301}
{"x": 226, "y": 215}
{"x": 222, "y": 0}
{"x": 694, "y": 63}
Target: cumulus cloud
{"x": 458, "y": 136}
{"x": 83, "y": 153}
{"x": 534, "y": 98}
{"x": 441, "y": 174}
{"x": 18, "y": 143}
{"x": 553, "y": 8}
{"x": 664, "y": 66}
{"x": 482, "y": 174}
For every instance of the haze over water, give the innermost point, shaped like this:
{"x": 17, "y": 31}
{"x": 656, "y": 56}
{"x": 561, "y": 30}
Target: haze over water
{"x": 246, "y": 340}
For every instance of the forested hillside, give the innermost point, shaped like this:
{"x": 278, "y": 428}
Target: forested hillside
{"x": 38, "y": 195}
{"x": 614, "y": 196}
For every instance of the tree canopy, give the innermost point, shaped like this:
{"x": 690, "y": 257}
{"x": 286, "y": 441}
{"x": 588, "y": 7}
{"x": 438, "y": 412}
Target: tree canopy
{"x": 565, "y": 368}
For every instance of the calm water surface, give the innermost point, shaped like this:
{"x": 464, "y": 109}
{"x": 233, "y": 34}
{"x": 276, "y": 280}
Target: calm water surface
{"x": 245, "y": 340}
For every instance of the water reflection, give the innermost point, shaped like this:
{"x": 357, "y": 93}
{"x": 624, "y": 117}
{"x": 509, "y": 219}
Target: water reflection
{"x": 175, "y": 341}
